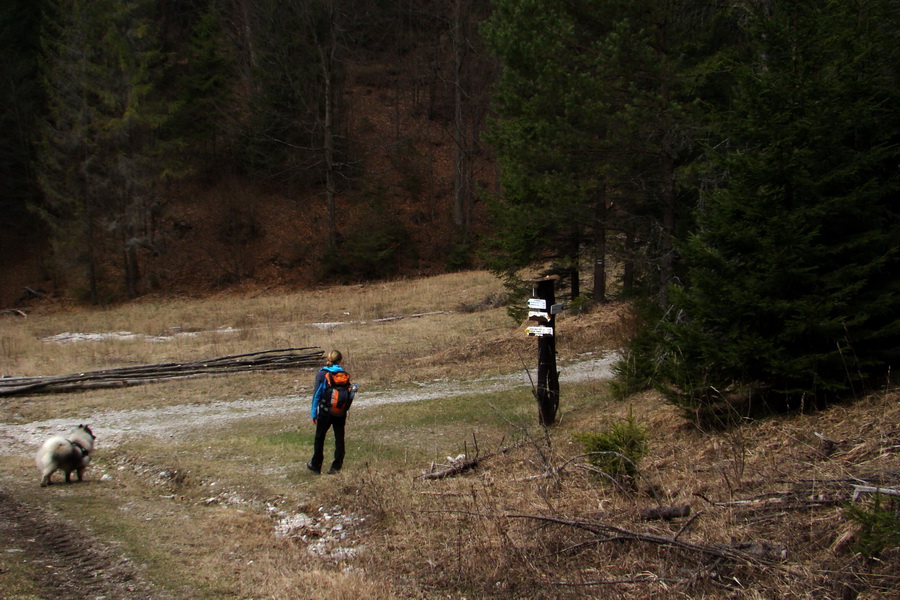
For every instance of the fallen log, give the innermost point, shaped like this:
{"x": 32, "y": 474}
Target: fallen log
{"x": 276, "y": 359}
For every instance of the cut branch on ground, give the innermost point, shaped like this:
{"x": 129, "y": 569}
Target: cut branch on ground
{"x": 464, "y": 465}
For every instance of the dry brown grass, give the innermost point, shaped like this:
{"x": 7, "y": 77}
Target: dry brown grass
{"x": 765, "y": 488}
{"x": 363, "y": 317}
{"x": 199, "y": 513}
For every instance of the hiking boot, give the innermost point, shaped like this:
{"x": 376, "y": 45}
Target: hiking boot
{"x": 333, "y": 471}
{"x": 310, "y": 466}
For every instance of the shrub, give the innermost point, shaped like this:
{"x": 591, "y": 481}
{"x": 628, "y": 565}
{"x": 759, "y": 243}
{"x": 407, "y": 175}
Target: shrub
{"x": 879, "y": 527}
{"x": 636, "y": 370}
{"x": 581, "y": 304}
{"x": 372, "y": 246}
{"x": 459, "y": 257}
{"x": 617, "y": 451}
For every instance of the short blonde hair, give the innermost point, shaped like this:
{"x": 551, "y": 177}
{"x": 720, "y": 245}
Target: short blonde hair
{"x": 335, "y": 357}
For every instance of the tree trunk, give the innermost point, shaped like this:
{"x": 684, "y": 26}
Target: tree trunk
{"x": 628, "y": 266}
{"x": 326, "y": 55}
{"x": 132, "y": 273}
{"x": 600, "y": 249}
{"x": 93, "y": 277}
{"x": 667, "y": 248}
{"x": 461, "y": 174}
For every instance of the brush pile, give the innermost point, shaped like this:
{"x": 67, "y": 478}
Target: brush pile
{"x": 280, "y": 359}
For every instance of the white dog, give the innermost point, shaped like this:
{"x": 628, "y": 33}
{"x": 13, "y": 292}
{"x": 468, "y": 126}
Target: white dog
{"x": 69, "y": 453}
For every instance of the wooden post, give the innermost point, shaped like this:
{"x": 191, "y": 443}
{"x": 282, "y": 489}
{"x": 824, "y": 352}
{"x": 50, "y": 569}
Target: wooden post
{"x": 547, "y": 392}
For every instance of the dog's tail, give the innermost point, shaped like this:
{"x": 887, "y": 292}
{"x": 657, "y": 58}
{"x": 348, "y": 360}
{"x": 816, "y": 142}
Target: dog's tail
{"x": 52, "y": 451}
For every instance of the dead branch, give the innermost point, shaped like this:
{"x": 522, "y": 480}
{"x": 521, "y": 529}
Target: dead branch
{"x": 555, "y": 471}
{"x": 465, "y": 465}
{"x": 615, "y": 482}
{"x": 687, "y": 524}
{"x": 780, "y": 504}
{"x": 610, "y": 533}
{"x": 868, "y": 489}
{"x": 552, "y": 472}
{"x": 638, "y": 578}
{"x": 452, "y": 470}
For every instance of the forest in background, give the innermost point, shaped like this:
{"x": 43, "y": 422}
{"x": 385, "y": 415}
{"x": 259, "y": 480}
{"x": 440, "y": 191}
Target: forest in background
{"x": 734, "y": 166}
{"x": 139, "y": 125}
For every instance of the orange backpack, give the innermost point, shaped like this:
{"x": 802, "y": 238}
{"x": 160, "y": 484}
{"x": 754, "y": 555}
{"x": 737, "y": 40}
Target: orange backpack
{"x": 336, "y": 397}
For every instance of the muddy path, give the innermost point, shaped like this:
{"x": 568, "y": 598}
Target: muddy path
{"x": 66, "y": 563}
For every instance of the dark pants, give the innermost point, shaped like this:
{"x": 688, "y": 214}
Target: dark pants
{"x": 325, "y": 421}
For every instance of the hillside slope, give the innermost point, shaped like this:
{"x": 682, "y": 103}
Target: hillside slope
{"x": 222, "y": 230}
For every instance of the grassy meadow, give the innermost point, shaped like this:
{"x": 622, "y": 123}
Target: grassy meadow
{"x": 227, "y": 510}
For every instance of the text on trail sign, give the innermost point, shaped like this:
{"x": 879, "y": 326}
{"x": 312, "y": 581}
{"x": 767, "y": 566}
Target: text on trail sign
{"x": 539, "y": 330}
{"x": 537, "y": 304}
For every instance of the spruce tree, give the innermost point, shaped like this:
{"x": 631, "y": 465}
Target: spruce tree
{"x": 595, "y": 120}
{"x": 790, "y": 293}
{"x": 101, "y": 157}
{"x": 548, "y": 135}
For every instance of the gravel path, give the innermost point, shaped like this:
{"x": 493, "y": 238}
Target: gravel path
{"x": 112, "y": 427}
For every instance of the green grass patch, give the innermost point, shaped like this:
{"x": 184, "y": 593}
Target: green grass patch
{"x": 414, "y": 433}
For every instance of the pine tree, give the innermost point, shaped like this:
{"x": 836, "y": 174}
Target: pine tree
{"x": 101, "y": 158}
{"x": 596, "y": 113}
{"x": 547, "y": 136}
{"x": 791, "y": 293}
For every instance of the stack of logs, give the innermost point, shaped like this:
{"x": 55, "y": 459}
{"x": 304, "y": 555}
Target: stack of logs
{"x": 285, "y": 358}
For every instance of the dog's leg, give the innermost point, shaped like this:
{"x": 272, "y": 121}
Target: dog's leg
{"x": 68, "y": 474}
{"x": 46, "y": 475}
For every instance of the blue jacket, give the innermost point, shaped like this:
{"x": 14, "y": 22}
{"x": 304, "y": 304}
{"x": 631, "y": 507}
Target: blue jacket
{"x": 319, "y": 387}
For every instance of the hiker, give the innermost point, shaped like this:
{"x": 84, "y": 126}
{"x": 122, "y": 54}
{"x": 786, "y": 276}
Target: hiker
{"x": 332, "y": 395}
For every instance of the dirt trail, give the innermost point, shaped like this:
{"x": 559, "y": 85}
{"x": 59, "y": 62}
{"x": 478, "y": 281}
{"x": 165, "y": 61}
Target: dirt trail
{"x": 70, "y": 564}
{"x": 67, "y": 560}
{"x": 113, "y": 427}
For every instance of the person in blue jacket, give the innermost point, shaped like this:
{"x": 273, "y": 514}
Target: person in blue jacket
{"x": 323, "y": 420}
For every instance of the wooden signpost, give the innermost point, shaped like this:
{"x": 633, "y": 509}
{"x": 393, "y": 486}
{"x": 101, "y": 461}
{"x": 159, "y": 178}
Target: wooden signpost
{"x": 542, "y": 312}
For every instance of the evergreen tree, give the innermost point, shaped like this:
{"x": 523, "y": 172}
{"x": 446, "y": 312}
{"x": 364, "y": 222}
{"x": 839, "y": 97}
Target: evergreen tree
{"x": 206, "y": 114}
{"x": 22, "y": 100}
{"x": 596, "y": 115}
{"x": 101, "y": 158}
{"x": 791, "y": 291}
{"x": 547, "y": 136}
